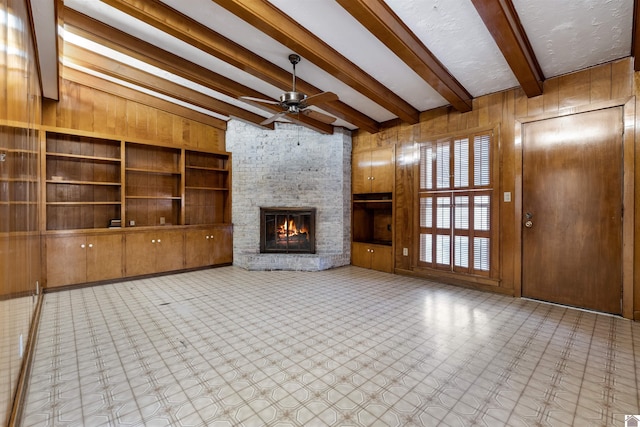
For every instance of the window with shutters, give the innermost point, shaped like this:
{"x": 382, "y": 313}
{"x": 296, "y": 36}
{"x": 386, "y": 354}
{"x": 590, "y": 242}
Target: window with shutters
{"x": 455, "y": 204}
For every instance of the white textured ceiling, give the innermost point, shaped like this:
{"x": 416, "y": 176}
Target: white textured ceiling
{"x": 565, "y": 36}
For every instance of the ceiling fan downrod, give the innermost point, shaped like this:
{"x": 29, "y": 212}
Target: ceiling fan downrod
{"x": 294, "y": 59}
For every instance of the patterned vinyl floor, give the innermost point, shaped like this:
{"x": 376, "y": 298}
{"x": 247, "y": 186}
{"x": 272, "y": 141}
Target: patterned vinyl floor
{"x": 343, "y": 347}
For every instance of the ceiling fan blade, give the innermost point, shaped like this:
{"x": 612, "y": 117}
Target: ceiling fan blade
{"x": 273, "y": 118}
{"x": 264, "y": 101}
{"x": 321, "y": 98}
{"x": 321, "y": 117}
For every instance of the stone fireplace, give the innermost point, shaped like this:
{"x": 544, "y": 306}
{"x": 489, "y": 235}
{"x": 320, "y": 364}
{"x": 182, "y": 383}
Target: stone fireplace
{"x": 290, "y": 166}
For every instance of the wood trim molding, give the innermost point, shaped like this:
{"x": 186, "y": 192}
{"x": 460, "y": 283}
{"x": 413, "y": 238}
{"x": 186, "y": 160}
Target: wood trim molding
{"x": 501, "y": 19}
{"x": 383, "y": 23}
{"x": 273, "y": 22}
{"x": 166, "y": 19}
{"x": 15, "y": 417}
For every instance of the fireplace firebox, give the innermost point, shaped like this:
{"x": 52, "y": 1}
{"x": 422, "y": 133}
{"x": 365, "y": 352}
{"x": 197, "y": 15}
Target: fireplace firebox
{"x": 287, "y": 230}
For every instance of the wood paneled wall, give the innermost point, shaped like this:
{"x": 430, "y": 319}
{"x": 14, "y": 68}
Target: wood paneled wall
{"x": 20, "y": 96}
{"x": 88, "y": 109}
{"x": 591, "y": 88}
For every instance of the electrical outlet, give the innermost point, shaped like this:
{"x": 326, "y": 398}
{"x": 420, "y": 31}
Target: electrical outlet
{"x": 405, "y": 251}
{"x": 507, "y": 196}
{"x": 162, "y": 221}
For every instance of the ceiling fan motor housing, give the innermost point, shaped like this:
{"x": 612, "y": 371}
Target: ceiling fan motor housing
{"x": 293, "y": 100}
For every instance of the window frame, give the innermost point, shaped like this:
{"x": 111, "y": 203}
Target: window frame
{"x": 452, "y": 191}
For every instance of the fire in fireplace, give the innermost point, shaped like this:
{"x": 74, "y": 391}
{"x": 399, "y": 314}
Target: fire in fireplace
{"x": 287, "y": 230}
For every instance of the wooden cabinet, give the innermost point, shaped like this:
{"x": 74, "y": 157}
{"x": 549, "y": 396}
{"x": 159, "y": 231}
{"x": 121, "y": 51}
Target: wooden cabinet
{"x": 210, "y": 246}
{"x": 373, "y": 171}
{"x": 154, "y": 251}
{"x": 372, "y": 209}
{"x": 80, "y": 258}
{"x": 146, "y": 193}
{"x": 376, "y": 257}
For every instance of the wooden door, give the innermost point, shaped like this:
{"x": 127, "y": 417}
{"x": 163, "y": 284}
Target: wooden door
{"x": 169, "y": 250}
{"x": 140, "y": 253}
{"x": 360, "y": 255}
{"x": 197, "y": 248}
{"x": 382, "y": 258}
{"x": 66, "y": 260}
{"x": 222, "y": 245}
{"x": 572, "y": 210}
{"x": 361, "y": 171}
{"x": 382, "y": 170}
{"x": 104, "y": 257}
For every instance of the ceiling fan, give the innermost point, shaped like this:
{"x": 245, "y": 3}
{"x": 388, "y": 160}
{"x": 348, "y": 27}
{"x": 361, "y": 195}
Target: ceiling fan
{"x": 295, "y": 102}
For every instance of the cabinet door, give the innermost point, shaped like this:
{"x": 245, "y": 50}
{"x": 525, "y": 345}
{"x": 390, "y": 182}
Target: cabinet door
{"x": 66, "y": 260}
{"x": 381, "y": 258}
{"x": 360, "y": 255}
{"x": 169, "y": 248}
{"x": 140, "y": 253}
{"x": 361, "y": 172}
{"x": 223, "y": 245}
{"x": 104, "y": 257}
{"x": 198, "y": 248}
{"x": 382, "y": 170}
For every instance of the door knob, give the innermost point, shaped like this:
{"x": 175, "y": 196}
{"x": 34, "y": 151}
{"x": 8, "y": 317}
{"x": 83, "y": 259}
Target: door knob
{"x": 528, "y": 224}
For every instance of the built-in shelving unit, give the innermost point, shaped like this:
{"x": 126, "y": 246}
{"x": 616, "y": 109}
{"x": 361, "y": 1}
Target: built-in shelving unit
{"x": 207, "y": 191}
{"x": 106, "y": 198}
{"x": 372, "y": 208}
{"x": 83, "y": 181}
{"x": 153, "y": 185}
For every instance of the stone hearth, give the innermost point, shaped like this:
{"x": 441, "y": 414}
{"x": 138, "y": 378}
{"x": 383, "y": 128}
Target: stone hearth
{"x": 290, "y": 166}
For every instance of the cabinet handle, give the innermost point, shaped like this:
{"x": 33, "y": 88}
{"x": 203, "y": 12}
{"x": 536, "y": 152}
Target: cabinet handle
{"x": 153, "y": 241}
{"x": 212, "y": 236}
{"x": 373, "y": 177}
{"x": 90, "y": 245}
{"x": 371, "y": 250}
{"x": 158, "y": 240}
{"x": 82, "y": 246}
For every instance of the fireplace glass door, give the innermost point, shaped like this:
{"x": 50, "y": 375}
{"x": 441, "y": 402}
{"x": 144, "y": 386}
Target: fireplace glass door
{"x": 287, "y": 230}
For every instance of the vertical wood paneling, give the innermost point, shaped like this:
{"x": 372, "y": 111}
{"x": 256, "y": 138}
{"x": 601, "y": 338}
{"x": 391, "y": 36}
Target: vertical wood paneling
{"x": 622, "y": 79}
{"x": 92, "y": 110}
{"x": 614, "y": 81}
{"x": 600, "y": 83}
{"x": 550, "y": 98}
{"x": 574, "y": 89}
{"x": 20, "y": 98}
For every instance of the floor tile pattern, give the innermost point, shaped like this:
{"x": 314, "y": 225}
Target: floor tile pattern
{"x": 343, "y": 347}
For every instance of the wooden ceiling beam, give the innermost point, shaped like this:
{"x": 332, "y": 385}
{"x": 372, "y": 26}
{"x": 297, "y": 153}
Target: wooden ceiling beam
{"x": 383, "y": 23}
{"x": 501, "y": 19}
{"x": 168, "y": 20}
{"x": 109, "y": 67}
{"x": 279, "y": 26}
{"x": 126, "y": 44}
{"x": 143, "y": 98}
